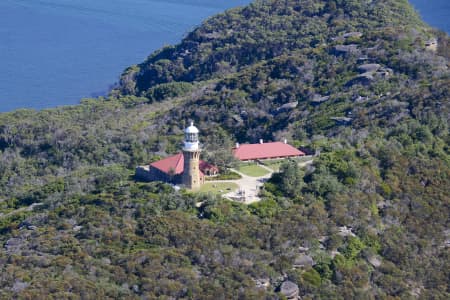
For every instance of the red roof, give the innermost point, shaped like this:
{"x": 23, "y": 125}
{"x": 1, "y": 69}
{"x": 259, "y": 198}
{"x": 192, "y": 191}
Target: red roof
{"x": 175, "y": 164}
{"x": 265, "y": 151}
{"x": 170, "y": 164}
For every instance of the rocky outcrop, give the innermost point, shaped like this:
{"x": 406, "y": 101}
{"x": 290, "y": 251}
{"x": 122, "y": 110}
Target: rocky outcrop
{"x": 345, "y": 49}
{"x": 348, "y": 35}
{"x": 341, "y": 120}
{"x": 303, "y": 261}
{"x": 369, "y": 68}
{"x": 318, "y": 99}
{"x": 290, "y": 290}
{"x": 14, "y": 245}
{"x": 368, "y": 73}
{"x": 19, "y": 286}
{"x": 375, "y": 261}
{"x": 431, "y": 45}
{"x": 346, "y": 231}
{"x": 287, "y": 106}
{"x": 263, "y": 283}
{"x": 353, "y": 34}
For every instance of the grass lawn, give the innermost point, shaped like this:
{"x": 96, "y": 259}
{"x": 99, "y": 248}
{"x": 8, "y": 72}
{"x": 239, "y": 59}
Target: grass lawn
{"x": 274, "y": 164}
{"x": 218, "y": 188}
{"x": 252, "y": 170}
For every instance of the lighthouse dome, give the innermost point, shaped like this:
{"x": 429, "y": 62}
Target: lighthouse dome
{"x": 191, "y": 138}
{"x": 191, "y": 129}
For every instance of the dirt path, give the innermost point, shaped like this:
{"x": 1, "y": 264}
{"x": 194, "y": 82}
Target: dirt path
{"x": 248, "y": 187}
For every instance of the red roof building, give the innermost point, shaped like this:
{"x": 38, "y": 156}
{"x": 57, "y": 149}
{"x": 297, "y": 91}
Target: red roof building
{"x": 173, "y": 165}
{"x": 271, "y": 150}
{"x": 170, "y": 169}
{"x": 184, "y": 168}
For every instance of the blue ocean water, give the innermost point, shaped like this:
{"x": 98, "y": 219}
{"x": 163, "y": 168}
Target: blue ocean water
{"x": 55, "y": 52}
{"x": 434, "y": 12}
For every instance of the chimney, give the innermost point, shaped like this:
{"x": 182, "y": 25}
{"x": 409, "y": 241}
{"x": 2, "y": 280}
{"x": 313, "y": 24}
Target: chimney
{"x": 237, "y": 145}
{"x": 285, "y": 141}
{"x": 261, "y": 141}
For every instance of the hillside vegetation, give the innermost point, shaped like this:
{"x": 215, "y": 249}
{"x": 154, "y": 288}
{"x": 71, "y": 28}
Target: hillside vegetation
{"x": 369, "y": 219}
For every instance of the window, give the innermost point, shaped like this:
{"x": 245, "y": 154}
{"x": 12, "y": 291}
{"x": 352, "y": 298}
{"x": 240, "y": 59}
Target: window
{"x": 191, "y": 137}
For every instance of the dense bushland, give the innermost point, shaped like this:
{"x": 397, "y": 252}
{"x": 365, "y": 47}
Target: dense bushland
{"x": 350, "y": 79}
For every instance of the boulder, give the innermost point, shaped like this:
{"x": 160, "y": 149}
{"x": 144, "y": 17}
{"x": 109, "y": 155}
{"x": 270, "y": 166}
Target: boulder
{"x": 369, "y": 68}
{"x": 363, "y": 79}
{"x": 431, "y": 45}
{"x": 345, "y": 49}
{"x": 287, "y": 106}
{"x": 347, "y": 35}
{"x": 289, "y": 290}
{"x": 369, "y": 72}
{"x": 353, "y": 34}
{"x": 303, "y": 249}
{"x": 346, "y": 231}
{"x": 263, "y": 283}
{"x": 318, "y": 99}
{"x": 237, "y": 118}
{"x": 14, "y": 245}
{"x": 341, "y": 120}
{"x": 303, "y": 260}
{"x": 375, "y": 261}
{"x": 19, "y": 286}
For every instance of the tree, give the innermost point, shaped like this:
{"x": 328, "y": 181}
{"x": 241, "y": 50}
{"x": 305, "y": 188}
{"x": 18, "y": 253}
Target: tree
{"x": 291, "y": 177}
{"x": 218, "y": 150}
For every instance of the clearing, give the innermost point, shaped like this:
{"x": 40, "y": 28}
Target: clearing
{"x": 252, "y": 170}
{"x": 218, "y": 187}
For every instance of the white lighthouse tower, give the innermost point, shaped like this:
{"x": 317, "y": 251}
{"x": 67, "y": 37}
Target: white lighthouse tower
{"x": 191, "y": 153}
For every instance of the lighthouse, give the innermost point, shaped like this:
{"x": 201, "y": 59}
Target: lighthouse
{"x": 191, "y": 153}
